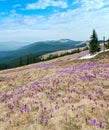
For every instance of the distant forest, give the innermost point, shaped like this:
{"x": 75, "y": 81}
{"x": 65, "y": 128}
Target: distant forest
{"x": 32, "y": 58}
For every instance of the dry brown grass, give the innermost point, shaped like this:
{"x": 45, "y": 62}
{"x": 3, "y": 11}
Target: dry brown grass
{"x": 69, "y": 107}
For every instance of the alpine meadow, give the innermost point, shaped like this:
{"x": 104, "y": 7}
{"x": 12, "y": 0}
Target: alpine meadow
{"x": 54, "y": 65}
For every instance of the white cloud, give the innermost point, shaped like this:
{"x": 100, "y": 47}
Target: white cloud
{"x": 42, "y": 4}
{"x": 30, "y": 35}
{"x": 3, "y": 13}
{"x": 17, "y": 5}
{"x": 75, "y": 24}
{"x": 75, "y": 2}
{"x": 90, "y": 4}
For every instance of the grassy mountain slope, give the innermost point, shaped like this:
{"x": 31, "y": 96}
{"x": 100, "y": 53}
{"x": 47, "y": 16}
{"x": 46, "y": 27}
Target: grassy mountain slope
{"x": 61, "y": 94}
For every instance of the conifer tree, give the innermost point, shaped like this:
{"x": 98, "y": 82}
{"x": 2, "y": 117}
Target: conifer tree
{"x": 28, "y": 59}
{"x": 93, "y": 44}
{"x": 31, "y": 59}
{"x": 78, "y": 50}
{"x": 20, "y": 62}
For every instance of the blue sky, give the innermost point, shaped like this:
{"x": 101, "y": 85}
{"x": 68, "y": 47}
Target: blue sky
{"x": 38, "y": 20}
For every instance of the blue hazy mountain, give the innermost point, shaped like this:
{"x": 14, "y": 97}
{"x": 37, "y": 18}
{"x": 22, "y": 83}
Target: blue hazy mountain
{"x": 39, "y": 48}
{"x": 11, "y": 45}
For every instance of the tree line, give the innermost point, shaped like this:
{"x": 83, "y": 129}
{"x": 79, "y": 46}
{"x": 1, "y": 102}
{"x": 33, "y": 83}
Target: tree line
{"x": 32, "y": 58}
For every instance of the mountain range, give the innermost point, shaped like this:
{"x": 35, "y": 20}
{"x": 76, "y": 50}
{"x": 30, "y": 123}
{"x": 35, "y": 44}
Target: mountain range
{"x": 39, "y": 48}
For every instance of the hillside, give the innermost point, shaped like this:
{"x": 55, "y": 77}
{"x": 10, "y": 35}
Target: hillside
{"x": 62, "y": 94}
{"x": 39, "y": 48}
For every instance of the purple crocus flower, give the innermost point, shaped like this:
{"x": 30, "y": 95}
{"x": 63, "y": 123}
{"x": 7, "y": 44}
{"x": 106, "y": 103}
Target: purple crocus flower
{"x": 93, "y": 122}
{"x": 26, "y": 109}
{"x": 46, "y": 120}
{"x": 74, "y": 89}
{"x": 100, "y": 124}
{"x": 45, "y": 108}
{"x": 10, "y": 107}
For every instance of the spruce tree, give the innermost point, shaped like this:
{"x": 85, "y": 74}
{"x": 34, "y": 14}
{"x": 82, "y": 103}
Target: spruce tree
{"x": 31, "y": 59}
{"x": 78, "y": 50}
{"x": 20, "y": 62}
{"x": 93, "y": 44}
{"x": 28, "y": 60}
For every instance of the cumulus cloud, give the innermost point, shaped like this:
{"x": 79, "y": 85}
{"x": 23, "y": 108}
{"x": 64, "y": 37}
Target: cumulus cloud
{"x": 90, "y": 4}
{"x": 74, "y": 23}
{"x": 43, "y": 4}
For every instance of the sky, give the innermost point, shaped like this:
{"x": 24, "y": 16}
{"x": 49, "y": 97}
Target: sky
{"x": 39, "y": 20}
